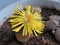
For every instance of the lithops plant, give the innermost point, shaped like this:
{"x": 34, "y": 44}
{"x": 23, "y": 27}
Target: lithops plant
{"x": 26, "y": 23}
{"x": 54, "y": 25}
{"x": 50, "y": 25}
{"x": 57, "y": 33}
{"x": 54, "y": 20}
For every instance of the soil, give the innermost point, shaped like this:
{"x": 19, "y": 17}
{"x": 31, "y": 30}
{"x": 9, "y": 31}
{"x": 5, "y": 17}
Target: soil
{"x": 7, "y": 36}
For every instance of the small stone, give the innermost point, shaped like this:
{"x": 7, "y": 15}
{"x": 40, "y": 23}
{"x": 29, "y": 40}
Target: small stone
{"x": 55, "y": 19}
{"x": 50, "y": 25}
{"x": 57, "y": 34}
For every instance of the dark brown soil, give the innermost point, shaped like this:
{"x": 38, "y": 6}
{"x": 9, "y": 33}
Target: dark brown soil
{"x": 7, "y": 37}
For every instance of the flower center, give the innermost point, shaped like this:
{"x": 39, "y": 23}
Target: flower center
{"x": 29, "y": 18}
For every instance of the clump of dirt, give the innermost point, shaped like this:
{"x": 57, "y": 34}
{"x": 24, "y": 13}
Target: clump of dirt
{"x": 7, "y": 36}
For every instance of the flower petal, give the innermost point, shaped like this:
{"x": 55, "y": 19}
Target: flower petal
{"x": 29, "y": 30}
{"x": 21, "y": 13}
{"x": 38, "y": 31}
{"x": 18, "y": 28}
{"x": 28, "y": 9}
{"x": 16, "y": 20}
{"x": 24, "y": 30}
{"x": 37, "y": 16}
{"x": 21, "y": 7}
{"x": 35, "y": 33}
{"x": 13, "y": 26}
{"x": 32, "y": 10}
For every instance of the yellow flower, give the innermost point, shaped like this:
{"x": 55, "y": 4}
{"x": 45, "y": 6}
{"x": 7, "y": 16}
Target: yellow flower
{"x": 28, "y": 20}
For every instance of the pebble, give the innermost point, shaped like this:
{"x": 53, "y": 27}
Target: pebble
{"x": 57, "y": 34}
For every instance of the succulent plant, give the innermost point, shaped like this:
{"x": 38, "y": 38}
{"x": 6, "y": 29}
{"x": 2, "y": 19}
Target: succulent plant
{"x": 53, "y": 22}
{"x": 54, "y": 25}
{"x": 57, "y": 34}
{"x": 28, "y": 21}
{"x": 50, "y": 25}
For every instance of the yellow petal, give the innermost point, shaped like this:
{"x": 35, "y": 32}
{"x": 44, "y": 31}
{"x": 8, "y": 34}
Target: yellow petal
{"x": 24, "y": 30}
{"x": 16, "y": 20}
{"x": 14, "y": 16}
{"x": 41, "y": 25}
{"x": 38, "y": 31}
{"x": 33, "y": 26}
{"x": 18, "y": 28}
{"x": 29, "y": 30}
{"x": 37, "y": 16}
{"x": 32, "y": 10}
{"x": 13, "y": 26}
{"x": 28, "y": 9}
{"x": 13, "y": 20}
{"x": 18, "y": 7}
{"x": 36, "y": 26}
{"x": 35, "y": 33}
{"x": 21, "y": 7}
{"x": 21, "y": 13}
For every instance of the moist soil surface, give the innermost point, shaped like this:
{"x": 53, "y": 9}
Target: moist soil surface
{"x": 7, "y": 36}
